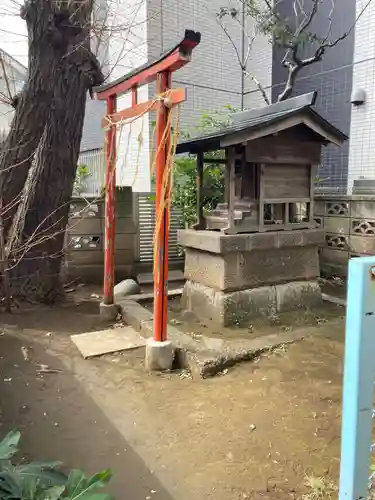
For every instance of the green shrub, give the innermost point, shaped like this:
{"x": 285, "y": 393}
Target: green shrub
{"x": 184, "y": 173}
{"x": 44, "y": 480}
{"x": 185, "y": 192}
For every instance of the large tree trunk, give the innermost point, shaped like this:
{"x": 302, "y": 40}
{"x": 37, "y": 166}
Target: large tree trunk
{"x": 49, "y": 192}
{"x": 33, "y": 105}
{"x": 36, "y": 237}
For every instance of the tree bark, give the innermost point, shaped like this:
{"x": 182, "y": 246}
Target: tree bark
{"x": 33, "y": 105}
{"x": 36, "y": 237}
{"x": 50, "y": 194}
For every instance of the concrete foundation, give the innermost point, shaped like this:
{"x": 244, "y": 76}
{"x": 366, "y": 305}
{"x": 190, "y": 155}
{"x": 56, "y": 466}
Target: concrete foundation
{"x": 159, "y": 355}
{"x": 108, "y": 312}
{"x": 232, "y": 279}
{"x": 241, "y": 307}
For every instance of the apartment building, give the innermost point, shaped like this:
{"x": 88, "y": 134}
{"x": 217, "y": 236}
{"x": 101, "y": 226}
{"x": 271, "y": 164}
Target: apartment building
{"x": 332, "y": 78}
{"x": 213, "y": 79}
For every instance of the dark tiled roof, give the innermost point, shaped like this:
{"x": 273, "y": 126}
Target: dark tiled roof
{"x": 93, "y": 133}
{"x": 256, "y": 119}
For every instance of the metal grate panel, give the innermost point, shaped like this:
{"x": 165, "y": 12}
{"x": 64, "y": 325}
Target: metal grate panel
{"x": 146, "y": 228}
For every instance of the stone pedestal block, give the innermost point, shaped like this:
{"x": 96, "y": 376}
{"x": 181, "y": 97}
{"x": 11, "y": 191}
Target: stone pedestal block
{"x": 159, "y": 355}
{"x": 239, "y": 262}
{"x": 232, "y": 279}
{"x": 241, "y": 307}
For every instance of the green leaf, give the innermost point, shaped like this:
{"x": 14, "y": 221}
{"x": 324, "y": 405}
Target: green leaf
{"x": 43, "y": 473}
{"x": 9, "y": 445}
{"x": 96, "y": 496}
{"x": 42, "y": 480}
{"x": 30, "y": 489}
{"x": 76, "y": 480}
{"x": 54, "y": 493}
{"x": 10, "y": 486}
{"x": 40, "y": 465}
{"x": 82, "y": 488}
{"x": 5, "y": 465}
{"x": 100, "y": 479}
{"x": 47, "y": 477}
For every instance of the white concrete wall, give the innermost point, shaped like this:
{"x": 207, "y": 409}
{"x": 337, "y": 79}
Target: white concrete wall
{"x": 15, "y": 75}
{"x": 13, "y": 32}
{"x": 6, "y": 115}
{"x": 128, "y": 49}
{"x": 362, "y": 129}
{"x": 133, "y": 163}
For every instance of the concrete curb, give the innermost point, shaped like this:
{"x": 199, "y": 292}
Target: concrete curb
{"x": 206, "y": 364}
{"x": 334, "y": 300}
{"x": 207, "y": 356}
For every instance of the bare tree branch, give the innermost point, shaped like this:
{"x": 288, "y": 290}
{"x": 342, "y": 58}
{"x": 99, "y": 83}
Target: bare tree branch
{"x": 291, "y": 59}
{"x": 259, "y": 86}
{"x": 243, "y": 61}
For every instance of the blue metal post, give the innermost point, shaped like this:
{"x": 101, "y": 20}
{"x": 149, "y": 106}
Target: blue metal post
{"x": 359, "y": 375}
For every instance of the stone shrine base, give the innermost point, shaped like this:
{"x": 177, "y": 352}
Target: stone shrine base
{"x": 241, "y": 307}
{"x": 232, "y": 279}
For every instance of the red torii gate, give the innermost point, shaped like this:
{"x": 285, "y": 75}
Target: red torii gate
{"x": 160, "y": 70}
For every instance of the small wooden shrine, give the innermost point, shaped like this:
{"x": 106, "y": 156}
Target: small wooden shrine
{"x": 271, "y": 157}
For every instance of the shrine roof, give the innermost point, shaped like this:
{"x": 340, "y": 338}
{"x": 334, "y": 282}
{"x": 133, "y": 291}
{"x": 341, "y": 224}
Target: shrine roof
{"x": 266, "y": 121}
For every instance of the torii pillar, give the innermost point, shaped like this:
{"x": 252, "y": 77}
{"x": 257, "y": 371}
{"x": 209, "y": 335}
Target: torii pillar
{"x": 160, "y": 71}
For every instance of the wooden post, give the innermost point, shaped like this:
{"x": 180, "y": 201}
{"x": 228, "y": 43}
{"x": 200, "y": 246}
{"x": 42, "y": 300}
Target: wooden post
{"x": 232, "y": 186}
{"x": 200, "y": 166}
{"x": 134, "y": 96}
{"x": 313, "y": 170}
{"x": 286, "y": 214}
{"x": 110, "y": 207}
{"x": 226, "y": 182}
{"x": 161, "y": 267}
{"x": 261, "y": 199}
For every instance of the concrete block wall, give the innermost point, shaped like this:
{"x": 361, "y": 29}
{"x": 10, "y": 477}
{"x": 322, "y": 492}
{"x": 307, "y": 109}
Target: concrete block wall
{"x": 85, "y": 239}
{"x": 349, "y": 224}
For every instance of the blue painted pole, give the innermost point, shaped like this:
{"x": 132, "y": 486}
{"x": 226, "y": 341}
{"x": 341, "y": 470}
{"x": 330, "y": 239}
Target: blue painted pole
{"x": 359, "y": 376}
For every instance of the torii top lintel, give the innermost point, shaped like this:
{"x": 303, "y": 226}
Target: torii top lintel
{"x": 170, "y": 61}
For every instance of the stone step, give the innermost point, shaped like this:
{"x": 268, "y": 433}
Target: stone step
{"x": 175, "y": 275}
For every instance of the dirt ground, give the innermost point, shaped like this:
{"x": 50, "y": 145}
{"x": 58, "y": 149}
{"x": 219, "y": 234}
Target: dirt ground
{"x": 256, "y": 432}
